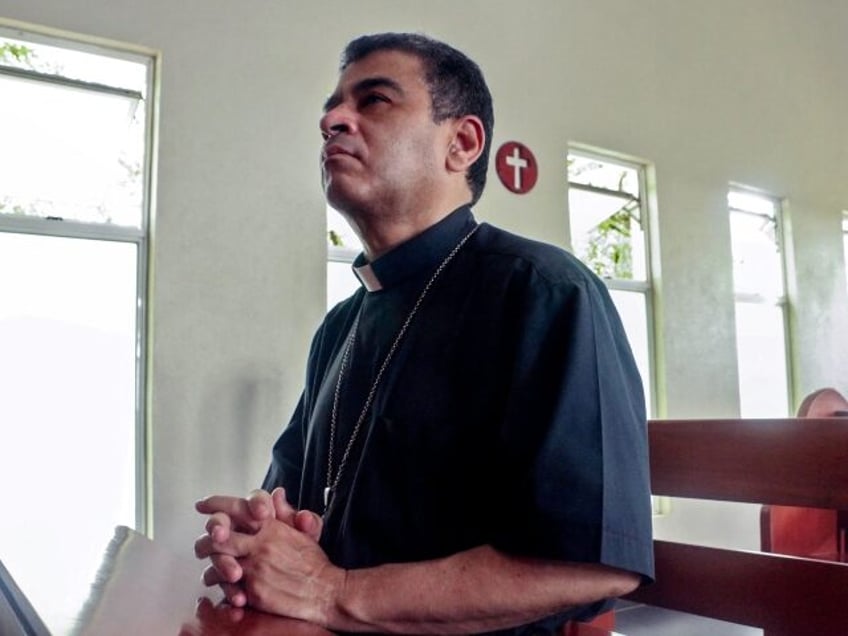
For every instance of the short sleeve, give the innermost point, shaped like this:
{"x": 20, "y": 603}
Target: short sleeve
{"x": 575, "y": 432}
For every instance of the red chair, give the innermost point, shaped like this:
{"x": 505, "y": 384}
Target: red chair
{"x": 808, "y": 532}
{"x": 601, "y": 625}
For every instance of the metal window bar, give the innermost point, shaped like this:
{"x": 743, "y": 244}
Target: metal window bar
{"x": 37, "y": 76}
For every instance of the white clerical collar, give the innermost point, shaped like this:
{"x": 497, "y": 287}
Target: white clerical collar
{"x": 416, "y": 256}
{"x": 365, "y": 274}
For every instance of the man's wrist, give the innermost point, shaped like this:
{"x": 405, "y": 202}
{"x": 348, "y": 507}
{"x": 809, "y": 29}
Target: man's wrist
{"x": 332, "y": 613}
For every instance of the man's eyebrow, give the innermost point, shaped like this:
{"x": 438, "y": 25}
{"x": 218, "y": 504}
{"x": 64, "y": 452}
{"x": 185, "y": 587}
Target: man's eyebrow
{"x": 363, "y": 86}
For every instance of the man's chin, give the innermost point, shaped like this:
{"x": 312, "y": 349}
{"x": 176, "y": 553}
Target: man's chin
{"x": 341, "y": 199}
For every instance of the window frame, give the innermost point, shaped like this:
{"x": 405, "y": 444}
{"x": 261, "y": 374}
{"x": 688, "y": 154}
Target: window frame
{"x": 844, "y": 227}
{"x": 645, "y": 287}
{"x": 140, "y": 235}
{"x": 780, "y": 301}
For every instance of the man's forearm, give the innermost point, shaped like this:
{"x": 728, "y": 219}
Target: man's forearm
{"x": 473, "y": 591}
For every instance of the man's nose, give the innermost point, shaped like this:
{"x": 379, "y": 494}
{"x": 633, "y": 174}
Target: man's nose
{"x": 336, "y": 120}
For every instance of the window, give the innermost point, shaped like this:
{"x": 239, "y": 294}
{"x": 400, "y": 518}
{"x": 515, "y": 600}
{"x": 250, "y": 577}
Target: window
{"x": 75, "y": 121}
{"x": 343, "y": 245}
{"x": 609, "y": 233}
{"x": 761, "y": 324}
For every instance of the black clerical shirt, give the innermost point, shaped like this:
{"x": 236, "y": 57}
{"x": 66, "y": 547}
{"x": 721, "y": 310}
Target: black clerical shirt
{"x": 511, "y": 407}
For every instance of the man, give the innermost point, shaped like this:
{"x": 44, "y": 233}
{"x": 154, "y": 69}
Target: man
{"x": 469, "y": 452}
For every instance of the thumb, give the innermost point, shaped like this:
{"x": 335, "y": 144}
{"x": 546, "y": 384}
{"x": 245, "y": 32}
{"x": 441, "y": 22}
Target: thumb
{"x": 260, "y": 505}
{"x": 309, "y": 523}
{"x": 283, "y": 510}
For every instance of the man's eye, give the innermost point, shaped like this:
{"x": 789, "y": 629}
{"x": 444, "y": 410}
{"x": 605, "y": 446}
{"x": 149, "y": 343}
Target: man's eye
{"x": 372, "y": 98}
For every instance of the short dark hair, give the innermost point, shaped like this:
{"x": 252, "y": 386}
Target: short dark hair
{"x": 456, "y": 84}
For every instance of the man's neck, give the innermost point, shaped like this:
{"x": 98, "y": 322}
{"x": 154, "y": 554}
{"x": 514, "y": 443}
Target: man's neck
{"x": 381, "y": 233}
{"x": 379, "y": 238}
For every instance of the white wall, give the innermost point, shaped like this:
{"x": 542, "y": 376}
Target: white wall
{"x": 748, "y": 91}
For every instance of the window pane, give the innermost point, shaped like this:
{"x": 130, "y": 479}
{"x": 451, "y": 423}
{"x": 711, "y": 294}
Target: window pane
{"x": 632, "y": 308}
{"x": 760, "y": 345}
{"x": 67, "y": 411}
{"x": 756, "y": 259}
{"x": 603, "y": 174}
{"x": 751, "y": 202}
{"x": 70, "y": 153}
{"x": 845, "y": 242}
{"x": 343, "y": 245}
{"x": 340, "y": 234}
{"x": 341, "y": 282}
{"x": 128, "y": 72}
{"x": 605, "y": 217}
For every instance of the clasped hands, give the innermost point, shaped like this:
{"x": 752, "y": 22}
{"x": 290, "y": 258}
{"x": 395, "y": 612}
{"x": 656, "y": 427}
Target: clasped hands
{"x": 265, "y": 554}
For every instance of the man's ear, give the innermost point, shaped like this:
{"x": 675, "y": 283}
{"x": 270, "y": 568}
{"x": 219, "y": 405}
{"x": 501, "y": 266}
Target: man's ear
{"x": 466, "y": 145}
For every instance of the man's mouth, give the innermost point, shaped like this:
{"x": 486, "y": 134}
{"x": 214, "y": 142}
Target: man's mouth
{"x": 335, "y": 150}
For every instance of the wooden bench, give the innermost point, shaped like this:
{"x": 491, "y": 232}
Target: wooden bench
{"x": 792, "y": 462}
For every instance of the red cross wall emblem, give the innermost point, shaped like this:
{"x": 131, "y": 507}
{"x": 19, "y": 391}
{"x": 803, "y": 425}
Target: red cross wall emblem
{"x": 516, "y": 167}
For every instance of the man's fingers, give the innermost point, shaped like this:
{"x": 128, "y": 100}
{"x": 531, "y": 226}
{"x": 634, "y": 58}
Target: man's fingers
{"x": 228, "y": 514}
{"x": 283, "y": 510}
{"x": 260, "y": 505}
{"x": 233, "y": 592}
{"x": 221, "y": 503}
{"x": 309, "y": 523}
{"x": 227, "y": 567}
{"x": 205, "y": 609}
{"x": 237, "y": 544}
{"x": 236, "y": 508}
{"x": 214, "y": 616}
{"x": 205, "y": 547}
{"x": 235, "y": 596}
{"x": 245, "y": 514}
{"x": 219, "y": 525}
{"x": 223, "y": 569}
{"x": 211, "y": 577}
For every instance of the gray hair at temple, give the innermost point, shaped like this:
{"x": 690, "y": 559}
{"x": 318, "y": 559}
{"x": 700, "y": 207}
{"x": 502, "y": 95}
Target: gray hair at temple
{"x": 456, "y": 84}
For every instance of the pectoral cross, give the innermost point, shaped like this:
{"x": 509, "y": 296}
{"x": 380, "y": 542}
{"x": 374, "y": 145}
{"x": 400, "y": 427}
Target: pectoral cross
{"x": 327, "y": 492}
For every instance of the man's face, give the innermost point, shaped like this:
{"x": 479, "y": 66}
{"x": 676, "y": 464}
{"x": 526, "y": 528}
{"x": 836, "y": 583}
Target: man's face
{"x": 382, "y": 153}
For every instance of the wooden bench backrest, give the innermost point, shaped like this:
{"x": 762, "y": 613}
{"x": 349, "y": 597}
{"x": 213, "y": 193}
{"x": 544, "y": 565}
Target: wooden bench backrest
{"x": 794, "y": 462}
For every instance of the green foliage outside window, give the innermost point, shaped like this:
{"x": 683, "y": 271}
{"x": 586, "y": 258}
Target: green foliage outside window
{"x": 609, "y": 251}
{"x": 10, "y": 52}
{"x": 335, "y": 238}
